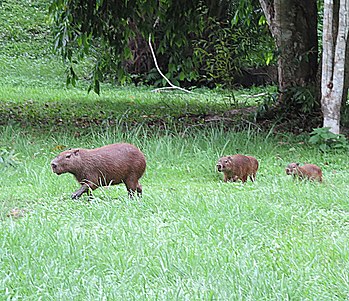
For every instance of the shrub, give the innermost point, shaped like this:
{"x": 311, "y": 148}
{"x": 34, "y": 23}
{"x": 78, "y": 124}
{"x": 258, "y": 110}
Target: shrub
{"x": 325, "y": 140}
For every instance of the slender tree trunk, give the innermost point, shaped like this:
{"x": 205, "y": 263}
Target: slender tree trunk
{"x": 293, "y": 24}
{"x": 334, "y": 84}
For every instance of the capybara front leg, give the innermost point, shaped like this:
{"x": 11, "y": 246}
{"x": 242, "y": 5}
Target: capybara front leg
{"x": 131, "y": 186}
{"x": 235, "y": 178}
{"x": 84, "y": 188}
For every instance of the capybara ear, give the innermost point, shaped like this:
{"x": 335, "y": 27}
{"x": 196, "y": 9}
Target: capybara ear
{"x": 297, "y": 164}
{"x": 76, "y": 152}
{"x": 229, "y": 158}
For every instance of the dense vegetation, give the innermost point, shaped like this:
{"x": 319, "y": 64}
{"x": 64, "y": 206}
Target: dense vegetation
{"x": 33, "y": 87}
{"x": 191, "y": 236}
{"x": 204, "y": 43}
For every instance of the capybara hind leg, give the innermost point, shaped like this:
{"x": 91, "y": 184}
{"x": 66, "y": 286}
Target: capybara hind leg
{"x": 83, "y": 189}
{"x": 244, "y": 179}
{"x": 253, "y": 177}
{"x": 139, "y": 190}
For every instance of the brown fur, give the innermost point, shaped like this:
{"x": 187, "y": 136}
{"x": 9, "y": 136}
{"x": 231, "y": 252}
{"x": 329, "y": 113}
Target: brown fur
{"x": 307, "y": 171}
{"x": 238, "y": 167}
{"x": 108, "y": 165}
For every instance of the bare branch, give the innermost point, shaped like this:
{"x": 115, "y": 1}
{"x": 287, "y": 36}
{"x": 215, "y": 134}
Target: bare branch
{"x": 158, "y": 69}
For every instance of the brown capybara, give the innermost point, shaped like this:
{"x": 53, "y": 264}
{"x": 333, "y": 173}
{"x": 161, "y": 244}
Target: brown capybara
{"x": 107, "y": 165}
{"x": 255, "y": 165}
{"x": 307, "y": 171}
{"x": 238, "y": 167}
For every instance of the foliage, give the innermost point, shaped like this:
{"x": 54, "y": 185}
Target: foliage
{"x": 345, "y": 114}
{"x": 326, "y": 140}
{"x": 265, "y": 102}
{"x": 112, "y": 31}
{"x": 225, "y": 48}
{"x": 107, "y": 28}
{"x": 255, "y": 37}
{"x": 304, "y": 97}
{"x": 301, "y": 100}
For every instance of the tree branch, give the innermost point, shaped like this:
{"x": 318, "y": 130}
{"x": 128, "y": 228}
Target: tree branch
{"x": 158, "y": 69}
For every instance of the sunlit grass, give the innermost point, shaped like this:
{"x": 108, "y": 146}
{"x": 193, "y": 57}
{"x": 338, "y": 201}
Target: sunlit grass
{"x": 191, "y": 236}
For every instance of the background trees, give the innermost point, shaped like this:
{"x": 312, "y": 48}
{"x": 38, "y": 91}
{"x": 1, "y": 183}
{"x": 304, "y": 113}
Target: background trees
{"x": 293, "y": 24}
{"x": 197, "y": 42}
{"x": 203, "y": 43}
{"x": 335, "y": 62}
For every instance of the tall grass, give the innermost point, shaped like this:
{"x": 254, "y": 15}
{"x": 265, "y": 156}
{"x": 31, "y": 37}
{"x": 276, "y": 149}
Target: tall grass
{"x": 191, "y": 236}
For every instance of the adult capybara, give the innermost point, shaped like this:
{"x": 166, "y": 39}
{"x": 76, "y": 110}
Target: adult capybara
{"x": 307, "y": 171}
{"x": 107, "y": 165}
{"x": 238, "y": 167}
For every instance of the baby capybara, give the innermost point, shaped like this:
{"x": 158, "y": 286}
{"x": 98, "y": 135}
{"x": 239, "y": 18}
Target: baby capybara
{"x": 307, "y": 171}
{"x": 238, "y": 167}
{"x": 108, "y": 165}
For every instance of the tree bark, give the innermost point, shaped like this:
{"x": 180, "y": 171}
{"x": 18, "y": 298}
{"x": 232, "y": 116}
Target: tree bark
{"x": 334, "y": 83}
{"x": 293, "y": 24}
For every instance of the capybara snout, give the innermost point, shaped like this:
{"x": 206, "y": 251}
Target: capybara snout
{"x": 65, "y": 162}
{"x": 107, "y": 165}
{"x": 291, "y": 168}
{"x": 222, "y": 164}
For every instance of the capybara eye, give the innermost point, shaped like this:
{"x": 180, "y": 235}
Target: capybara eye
{"x": 68, "y": 156}
{"x": 226, "y": 161}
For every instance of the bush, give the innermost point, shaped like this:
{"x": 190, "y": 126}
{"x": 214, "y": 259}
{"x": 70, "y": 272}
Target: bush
{"x": 325, "y": 140}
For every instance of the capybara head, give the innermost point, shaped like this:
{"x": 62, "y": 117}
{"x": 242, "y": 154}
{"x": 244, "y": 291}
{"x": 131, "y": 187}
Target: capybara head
{"x": 224, "y": 163}
{"x": 67, "y": 161}
{"x": 291, "y": 168}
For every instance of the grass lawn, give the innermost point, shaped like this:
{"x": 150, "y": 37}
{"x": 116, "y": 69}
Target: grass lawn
{"x": 191, "y": 236}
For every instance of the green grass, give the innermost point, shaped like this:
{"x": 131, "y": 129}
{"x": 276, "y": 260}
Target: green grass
{"x": 33, "y": 93}
{"x": 25, "y": 31}
{"x": 191, "y": 236}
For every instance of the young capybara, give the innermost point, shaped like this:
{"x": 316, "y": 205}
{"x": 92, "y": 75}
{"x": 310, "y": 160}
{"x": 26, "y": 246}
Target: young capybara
{"x": 307, "y": 171}
{"x": 238, "y": 167}
{"x": 107, "y": 165}
{"x": 255, "y": 165}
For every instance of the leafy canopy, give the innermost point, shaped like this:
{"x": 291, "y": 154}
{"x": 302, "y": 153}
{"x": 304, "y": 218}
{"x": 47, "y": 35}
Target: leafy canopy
{"x": 114, "y": 32}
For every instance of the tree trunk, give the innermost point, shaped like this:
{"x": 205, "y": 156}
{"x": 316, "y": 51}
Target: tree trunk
{"x": 293, "y": 24}
{"x": 334, "y": 84}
